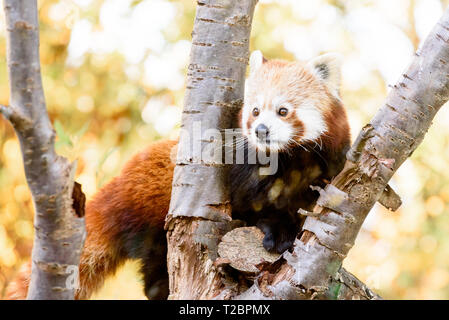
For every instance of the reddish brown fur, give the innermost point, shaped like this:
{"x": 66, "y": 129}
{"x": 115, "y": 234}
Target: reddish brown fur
{"x": 296, "y": 123}
{"x": 144, "y": 186}
{"x": 338, "y": 128}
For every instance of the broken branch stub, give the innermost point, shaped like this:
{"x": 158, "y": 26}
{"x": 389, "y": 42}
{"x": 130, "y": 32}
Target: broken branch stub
{"x": 243, "y": 249}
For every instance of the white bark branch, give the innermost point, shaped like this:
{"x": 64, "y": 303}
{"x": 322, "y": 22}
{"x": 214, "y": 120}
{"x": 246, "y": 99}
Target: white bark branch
{"x": 59, "y": 232}
{"x": 200, "y": 211}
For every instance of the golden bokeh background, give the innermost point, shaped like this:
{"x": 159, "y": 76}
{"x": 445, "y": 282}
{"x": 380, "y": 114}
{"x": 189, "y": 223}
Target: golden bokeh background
{"x": 114, "y": 74}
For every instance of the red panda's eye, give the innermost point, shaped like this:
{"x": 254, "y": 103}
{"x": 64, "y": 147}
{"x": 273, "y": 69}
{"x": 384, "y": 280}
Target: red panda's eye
{"x": 283, "y": 112}
{"x": 256, "y": 112}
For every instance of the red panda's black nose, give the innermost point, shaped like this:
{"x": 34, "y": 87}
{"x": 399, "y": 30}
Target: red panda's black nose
{"x": 262, "y": 131}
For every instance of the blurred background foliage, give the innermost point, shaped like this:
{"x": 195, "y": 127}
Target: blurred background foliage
{"x": 113, "y": 73}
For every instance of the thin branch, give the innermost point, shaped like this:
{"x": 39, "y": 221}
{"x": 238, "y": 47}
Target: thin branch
{"x": 390, "y": 199}
{"x": 17, "y": 119}
{"x": 6, "y": 112}
{"x": 59, "y": 233}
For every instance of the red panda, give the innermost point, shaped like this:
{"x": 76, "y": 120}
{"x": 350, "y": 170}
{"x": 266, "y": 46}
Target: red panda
{"x": 291, "y": 109}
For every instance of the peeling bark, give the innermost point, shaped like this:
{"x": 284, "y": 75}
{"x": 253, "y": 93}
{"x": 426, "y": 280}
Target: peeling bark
{"x": 243, "y": 250}
{"x": 59, "y": 228}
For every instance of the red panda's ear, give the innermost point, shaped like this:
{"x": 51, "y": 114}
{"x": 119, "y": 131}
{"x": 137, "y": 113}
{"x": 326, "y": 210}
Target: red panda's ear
{"x": 327, "y": 68}
{"x": 256, "y": 60}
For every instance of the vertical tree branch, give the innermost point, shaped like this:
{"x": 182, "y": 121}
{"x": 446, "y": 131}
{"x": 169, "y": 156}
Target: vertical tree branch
{"x": 197, "y": 219}
{"x": 59, "y": 232}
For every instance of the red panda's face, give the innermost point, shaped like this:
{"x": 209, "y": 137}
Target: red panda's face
{"x": 287, "y": 103}
{"x": 270, "y": 122}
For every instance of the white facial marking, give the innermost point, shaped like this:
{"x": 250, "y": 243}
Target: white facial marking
{"x": 260, "y": 101}
{"x": 278, "y": 101}
{"x": 313, "y": 121}
{"x": 279, "y": 131}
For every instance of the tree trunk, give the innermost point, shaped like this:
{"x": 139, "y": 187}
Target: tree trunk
{"x": 59, "y": 228}
{"x": 199, "y": 213}
{"x": 198, "y": 218}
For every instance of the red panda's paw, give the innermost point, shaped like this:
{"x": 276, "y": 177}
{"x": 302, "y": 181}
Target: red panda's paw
{"x": 280, "y": 234}
{"x": 158, "y": 290}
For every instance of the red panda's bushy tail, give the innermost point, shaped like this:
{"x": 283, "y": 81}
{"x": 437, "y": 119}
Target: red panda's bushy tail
{"x": 124, "y": 220}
